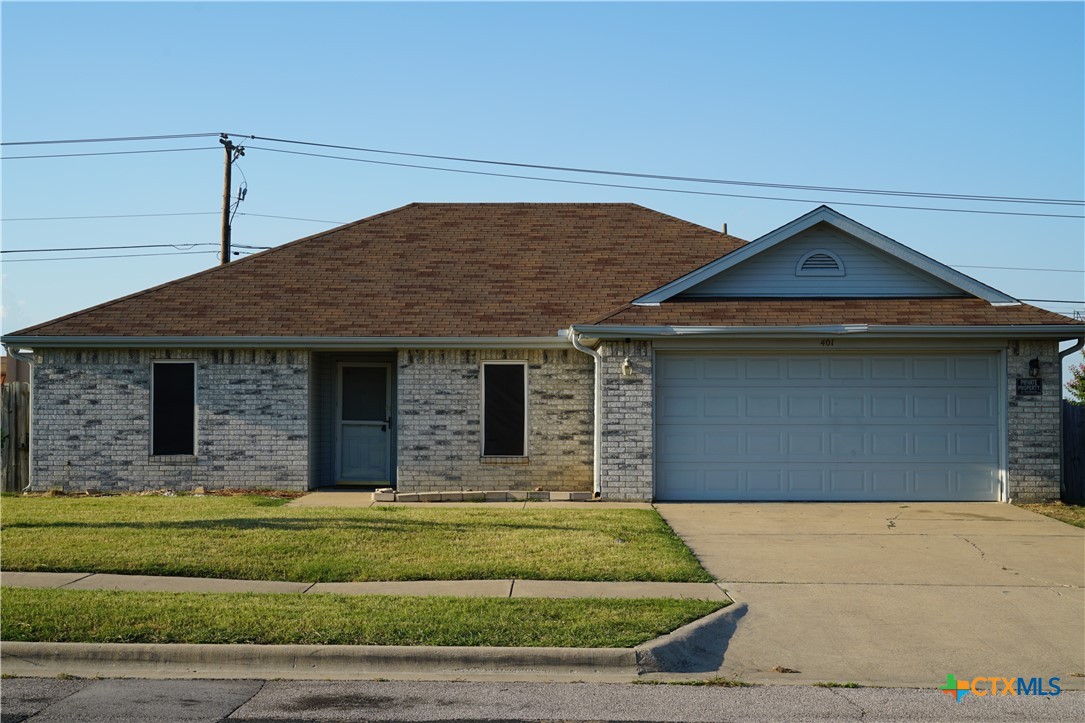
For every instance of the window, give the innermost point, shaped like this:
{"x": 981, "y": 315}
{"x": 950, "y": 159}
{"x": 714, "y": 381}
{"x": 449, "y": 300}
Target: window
{"x": 820, "y": 262}
{"x": 173, "y": 408}
{"x": 504, "y": 409}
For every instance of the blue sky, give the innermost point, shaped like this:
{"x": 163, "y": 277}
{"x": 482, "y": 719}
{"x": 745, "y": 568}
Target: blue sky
{"x": 971, "y": 98}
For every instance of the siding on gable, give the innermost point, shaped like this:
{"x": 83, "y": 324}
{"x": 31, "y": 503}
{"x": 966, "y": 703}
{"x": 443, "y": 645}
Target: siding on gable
{"x": 869, "y": 272}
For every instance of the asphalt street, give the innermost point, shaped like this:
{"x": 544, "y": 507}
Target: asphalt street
{"x": 43, "y": 700}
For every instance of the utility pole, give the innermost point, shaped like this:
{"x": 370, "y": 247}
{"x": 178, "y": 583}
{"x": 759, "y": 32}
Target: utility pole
{"x": 232, "y": 154}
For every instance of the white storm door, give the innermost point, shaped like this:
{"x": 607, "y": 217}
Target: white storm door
{"x": 364, "y": 420}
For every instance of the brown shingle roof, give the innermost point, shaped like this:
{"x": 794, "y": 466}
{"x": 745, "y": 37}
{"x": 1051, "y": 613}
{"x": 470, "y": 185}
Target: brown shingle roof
{"x": 966, "y": 311}
{"x": 473, "y": 270}
{"x": 431, "y": 269}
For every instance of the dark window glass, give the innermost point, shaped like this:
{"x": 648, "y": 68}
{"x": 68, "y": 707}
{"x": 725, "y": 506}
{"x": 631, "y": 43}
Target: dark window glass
{"x": 364, "y": 391}
{"x": 504, "y": 412}
{"x": 173, "y": 406}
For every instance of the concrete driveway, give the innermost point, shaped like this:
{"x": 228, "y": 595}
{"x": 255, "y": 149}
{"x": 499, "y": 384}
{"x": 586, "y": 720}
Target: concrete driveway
{"x": 894, "y": 594}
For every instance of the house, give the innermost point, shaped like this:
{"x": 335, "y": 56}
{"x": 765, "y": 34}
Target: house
{"x": 563, "y": 347}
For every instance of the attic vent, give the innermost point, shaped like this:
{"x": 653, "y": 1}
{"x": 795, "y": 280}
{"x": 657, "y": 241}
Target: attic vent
{"x": 820, "y": 262}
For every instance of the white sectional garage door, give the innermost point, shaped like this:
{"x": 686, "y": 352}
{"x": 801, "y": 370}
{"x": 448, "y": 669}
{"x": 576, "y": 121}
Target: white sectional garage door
{"x": 827, "y": 427}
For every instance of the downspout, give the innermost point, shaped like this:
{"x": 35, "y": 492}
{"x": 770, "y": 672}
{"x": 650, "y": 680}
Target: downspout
{"x": 1062, "y": 418}
{"x": 15, "y": 354}
{"x": 597, "y": 440}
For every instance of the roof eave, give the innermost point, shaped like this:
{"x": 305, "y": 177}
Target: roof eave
{"x": 1062, "y": 332}
{"x": 341, "y": 343}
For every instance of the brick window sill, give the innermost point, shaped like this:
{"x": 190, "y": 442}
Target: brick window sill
{"x": 505, "y": 460}
{"x": 174, "y": 459}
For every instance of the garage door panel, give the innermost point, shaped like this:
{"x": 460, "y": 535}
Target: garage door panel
{"x": 722, "y": 482}
{"x": 888, "y": 406}
{"x": 885, "y": 427}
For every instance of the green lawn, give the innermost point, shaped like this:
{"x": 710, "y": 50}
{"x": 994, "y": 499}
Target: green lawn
{"x": 252, "y": 537}
{"x": 102, "y": 616}
{"x": 1070, "y": 514}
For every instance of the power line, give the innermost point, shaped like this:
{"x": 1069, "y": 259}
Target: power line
{"x": 116, "y": 139}
{"x": 148, "y": 215}
{"x": 102, "y": 248}
{"x": 664, "y": 190}
{"x": 292, "y": 218}
{"x": 1018, "y": 268}
{"x": 1053, "y": 301}
{"x": 689, "y": 179}
{"x": 180, "y": 247}
{"x": 109, "y": 153}
{"x": 115, "y": 215}
{"x": 111, "y": 256}
{"x": 575, "y": 169}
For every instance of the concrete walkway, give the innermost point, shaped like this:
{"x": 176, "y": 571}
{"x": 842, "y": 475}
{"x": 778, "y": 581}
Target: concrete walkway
{"x": 893, "y": 594}
{"x": 455, "y": 588}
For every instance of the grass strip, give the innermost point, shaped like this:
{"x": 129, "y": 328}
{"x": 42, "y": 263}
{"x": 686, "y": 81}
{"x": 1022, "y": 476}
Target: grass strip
{"x": 257, "y": 538}
{"x": 1070, "y": 514}
{"x": 106, "y": 616}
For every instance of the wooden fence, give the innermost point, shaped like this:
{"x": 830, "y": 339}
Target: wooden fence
{"x": 1073, "y": 452}
{"x": 15, "y": 422}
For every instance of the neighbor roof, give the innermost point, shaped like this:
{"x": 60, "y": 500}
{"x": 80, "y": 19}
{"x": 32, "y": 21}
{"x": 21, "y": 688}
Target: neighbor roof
{"x": 423, "y": 270}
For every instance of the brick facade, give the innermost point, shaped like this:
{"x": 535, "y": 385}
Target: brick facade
{"x": 440, "y": 411}
{"x": 1033, "y": 445}
{"x": 91, "y": 420}
{"x": 627, "y": 469}
{"x": 91, "y": 425}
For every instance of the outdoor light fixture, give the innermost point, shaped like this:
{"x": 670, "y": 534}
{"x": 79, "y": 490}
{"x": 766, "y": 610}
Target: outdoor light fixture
{"x": 1034, "y": 368}
{"x": 627, "y": 368}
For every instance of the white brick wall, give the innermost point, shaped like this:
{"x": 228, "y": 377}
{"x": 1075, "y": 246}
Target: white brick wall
{"x": 1033, "y": 452}
{"x": 627, "y": 468}
{"x": 439, "y": 398}
{"x": 91, "y": 420}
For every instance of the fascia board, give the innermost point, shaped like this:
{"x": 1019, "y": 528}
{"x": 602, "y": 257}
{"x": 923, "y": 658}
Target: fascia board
{"x": 292, "y": 342}
{"x": 827, "y": 215}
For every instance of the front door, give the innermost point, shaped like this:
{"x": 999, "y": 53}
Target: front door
{"x": 364, "y": 418}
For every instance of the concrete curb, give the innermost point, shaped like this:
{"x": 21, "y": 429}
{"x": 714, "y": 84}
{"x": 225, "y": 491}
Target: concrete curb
{"x": 285, "y": 661}
{"x": 694, "y": 648}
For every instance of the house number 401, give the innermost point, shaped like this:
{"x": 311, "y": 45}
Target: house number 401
{"x": 826, "y": 342}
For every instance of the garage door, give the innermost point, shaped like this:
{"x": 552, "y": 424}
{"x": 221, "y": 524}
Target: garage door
{"x": 819, "y": 427}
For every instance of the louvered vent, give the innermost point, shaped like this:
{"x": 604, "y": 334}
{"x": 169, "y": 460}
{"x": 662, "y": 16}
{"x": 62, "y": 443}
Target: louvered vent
{"x": 820, "y": 263}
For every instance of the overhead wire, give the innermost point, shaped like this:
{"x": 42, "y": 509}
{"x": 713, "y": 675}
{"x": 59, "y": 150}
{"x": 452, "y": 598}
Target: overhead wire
{"x": 110, "y": 256}
{"x": 109, "y": 153}
{"x": 115, "y": 139}
{"x": 114, "y": 215}
{"x": 660, "y": 189}
{"x": 577, "y": 169}
{"x": 179, "y": 247}
{"x": 686, "y": 179}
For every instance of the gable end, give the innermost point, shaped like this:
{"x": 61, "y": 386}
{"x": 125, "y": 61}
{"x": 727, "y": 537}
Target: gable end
{"x": 873, "y": 265}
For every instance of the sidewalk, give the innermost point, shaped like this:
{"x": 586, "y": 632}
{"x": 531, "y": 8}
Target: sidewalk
{"x": 456, "y": 588}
